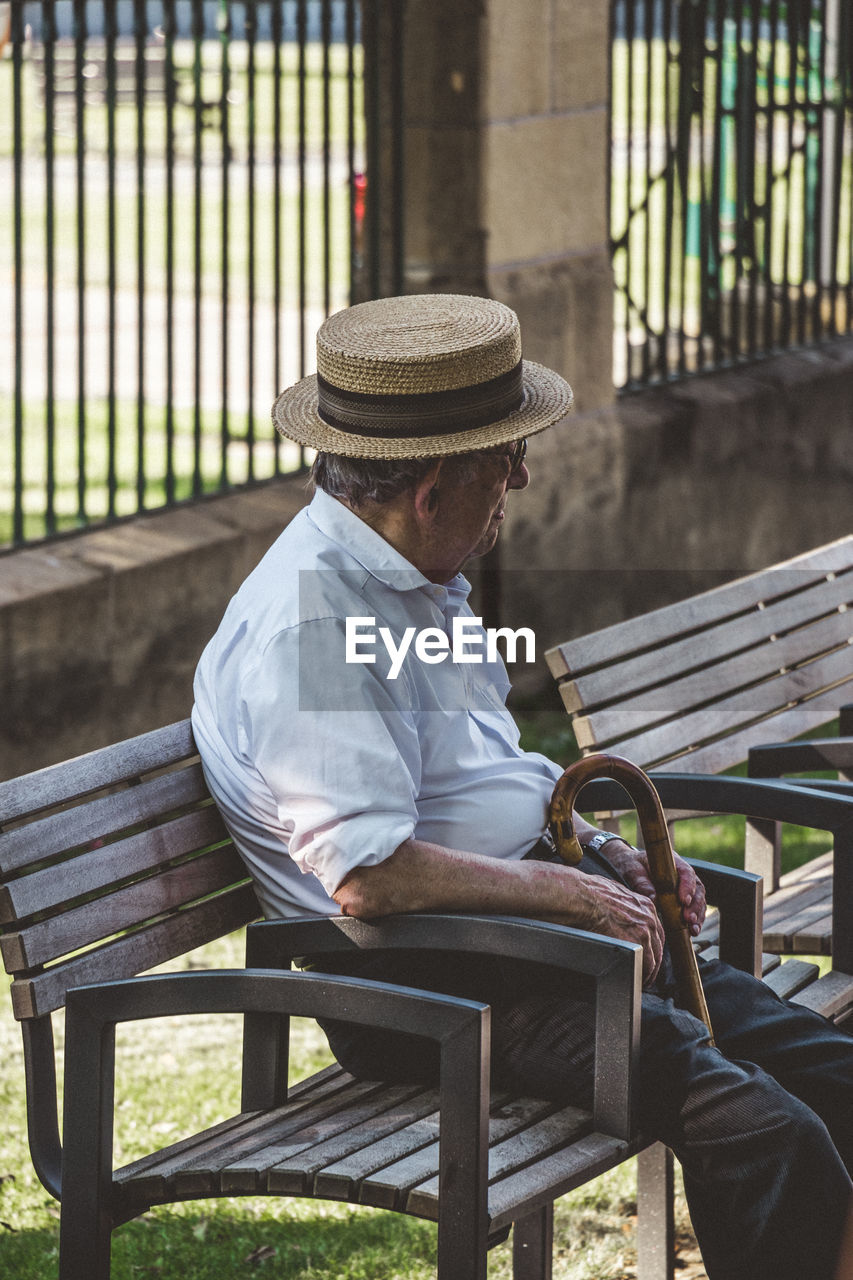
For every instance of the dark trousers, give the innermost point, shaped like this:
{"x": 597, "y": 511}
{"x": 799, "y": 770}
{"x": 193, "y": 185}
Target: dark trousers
{"x": 762, "y": 1124}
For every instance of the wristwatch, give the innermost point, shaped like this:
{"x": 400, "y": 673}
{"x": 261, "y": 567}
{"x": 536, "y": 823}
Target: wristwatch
{"x": 594, "y": 843}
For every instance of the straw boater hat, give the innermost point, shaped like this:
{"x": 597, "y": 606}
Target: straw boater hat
{"x": 420, "y": 377}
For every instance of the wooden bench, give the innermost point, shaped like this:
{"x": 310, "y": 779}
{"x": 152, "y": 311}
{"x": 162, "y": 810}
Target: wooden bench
{"x": 695, "y": 685}
{"x": 118, "y": 861}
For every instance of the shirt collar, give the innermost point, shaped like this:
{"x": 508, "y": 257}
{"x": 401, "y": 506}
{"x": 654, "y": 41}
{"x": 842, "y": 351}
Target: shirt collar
{"x": 376, "y": 556}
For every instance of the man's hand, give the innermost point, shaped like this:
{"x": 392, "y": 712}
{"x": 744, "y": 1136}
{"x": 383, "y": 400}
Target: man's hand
{"x": 605, "y": 906}
{"x": 420, "y": 876}
{"x": 632, "y": 864}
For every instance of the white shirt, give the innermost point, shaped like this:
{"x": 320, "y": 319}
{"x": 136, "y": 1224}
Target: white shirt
{"x": 320, "y": 765}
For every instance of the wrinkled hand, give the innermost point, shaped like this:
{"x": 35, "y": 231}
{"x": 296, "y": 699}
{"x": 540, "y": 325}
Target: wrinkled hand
{"x": 632, "y": 864}
{"x": 612, "y": 909}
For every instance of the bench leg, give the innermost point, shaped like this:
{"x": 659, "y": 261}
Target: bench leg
{"x": 655, "y": 1214}
{"x": 84, "y": 1248}
{"x": 533, "y": 1245}
{"x": 763, "y": 851}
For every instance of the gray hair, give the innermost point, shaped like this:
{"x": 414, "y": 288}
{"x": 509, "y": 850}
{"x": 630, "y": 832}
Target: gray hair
{"x": 361, "y": 480}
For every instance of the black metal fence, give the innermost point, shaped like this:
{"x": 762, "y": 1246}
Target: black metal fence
{"x": 732, "y": 131}
{"x": 183, "y": 201}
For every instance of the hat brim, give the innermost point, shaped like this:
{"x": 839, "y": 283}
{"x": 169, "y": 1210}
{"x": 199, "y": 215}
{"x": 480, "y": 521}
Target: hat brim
{"x": 547, "y": 399}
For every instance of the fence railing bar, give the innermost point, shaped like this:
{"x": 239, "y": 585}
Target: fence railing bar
{"x": 50, "y": 265}
{"x": 251, "y": 29}
{"x": 630, "y": 162}
{"x": 80, "y": 175}
{"x": 224, "y": 23}
{"x": 769, "y": 210}
{"x": 302, "y": 37}
{"x": 17, "y": 37}
{"x": 748, "y": 210}
{"x": 816, "y": 153}
{"x": 326, "y": 26}
{"x": 681, "y": 177}
{"x": 353, "y": 194}
{"x": 647, "y": 166}
{"x": 111, "y": 36}
{"x": 848, "y": 135}
{"x": 169, "y": 33}
{"x": 669, "y": 323}
{"x": 198, "y": 236}
{"x": 276, "y": 221}
{"x": 398, "y": 147}
{"x": 836, "y": 78}
{"x": 712, "y": 249}
{"x": 139, "y": 23}
{"x": 374, "y": 160}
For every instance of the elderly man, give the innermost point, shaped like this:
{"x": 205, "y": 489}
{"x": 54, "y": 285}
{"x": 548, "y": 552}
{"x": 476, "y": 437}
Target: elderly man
{"x": 363, "y": 767}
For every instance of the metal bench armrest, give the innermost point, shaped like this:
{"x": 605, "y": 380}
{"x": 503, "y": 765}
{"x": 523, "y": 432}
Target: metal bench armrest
{"x": 614, "y": 966}
{"x": 773, "y": 759}
{"x": 461, "y": 1028}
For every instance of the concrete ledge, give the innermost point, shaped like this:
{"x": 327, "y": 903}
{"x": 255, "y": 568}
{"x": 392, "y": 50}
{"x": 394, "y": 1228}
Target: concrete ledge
{"x": 100, "y": 633}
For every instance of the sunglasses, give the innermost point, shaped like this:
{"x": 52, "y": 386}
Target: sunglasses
{"x": 516, "y": 455}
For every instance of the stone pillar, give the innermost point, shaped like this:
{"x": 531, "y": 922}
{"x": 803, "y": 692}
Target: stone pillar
{"x": 545, "y": 161}
{"x": 505, "y": 174}
{"x": 506, "y": 155}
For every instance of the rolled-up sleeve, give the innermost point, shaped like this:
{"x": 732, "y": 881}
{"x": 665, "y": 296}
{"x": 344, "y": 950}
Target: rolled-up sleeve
{"x": 336, "y": 745}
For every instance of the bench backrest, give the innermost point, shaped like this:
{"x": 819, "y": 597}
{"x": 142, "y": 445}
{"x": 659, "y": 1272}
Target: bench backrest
{"x": 694, "y": 685}
{"x": 110, "y": 864}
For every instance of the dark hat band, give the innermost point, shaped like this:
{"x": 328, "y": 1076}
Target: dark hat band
{"x": 423, "y": 413}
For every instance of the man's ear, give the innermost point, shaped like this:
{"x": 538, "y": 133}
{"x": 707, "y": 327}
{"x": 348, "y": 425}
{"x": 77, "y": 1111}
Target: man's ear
{"x": 425, "y": 494}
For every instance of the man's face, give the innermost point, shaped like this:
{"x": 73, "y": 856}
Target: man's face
{"x": 473, "y": 505}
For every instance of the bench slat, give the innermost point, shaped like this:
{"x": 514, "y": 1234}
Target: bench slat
{"x": 148, "y": 1179}
{"x": 288, "y": 1175}
{"x": 515, "y": 1151}
{"x": 47, "y": 837}
{"x": 809, "y": 933}
{"x": 542, "y": 1183}
{"x": 78, "y": 927}
{"x": 729, "y": 750}
{"x": 666, "y": 741}
{"x": 831, "y": 995}
{"x": 791, "y": 977}
{"x": 796, "y": 619}
{"x": 99, "y": 868}
{"x": 345, "y": 1179}
{"x": 713, "y": 684}
{"x": 700, "y": 611}
{"x": 135, "y": 953}
{"x": 526, "y": 1130}
{"x": 105, "y": 767}
{"x": 790, "y": 899}
{"x": 289, "y": 1129}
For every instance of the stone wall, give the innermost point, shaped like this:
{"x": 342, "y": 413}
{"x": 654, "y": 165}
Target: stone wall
{"x": 505, "y": 178}
{"x": 100, "y": 632}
